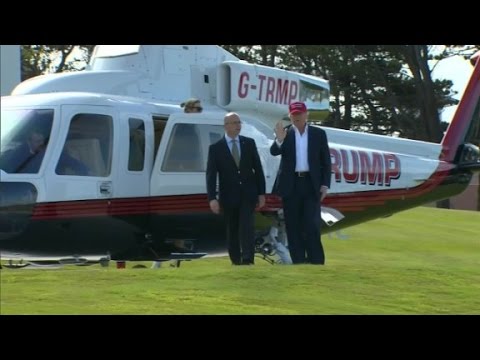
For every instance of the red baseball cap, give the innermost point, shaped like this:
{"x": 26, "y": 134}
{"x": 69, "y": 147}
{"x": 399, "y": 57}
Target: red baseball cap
{"x": 297, "y": 107}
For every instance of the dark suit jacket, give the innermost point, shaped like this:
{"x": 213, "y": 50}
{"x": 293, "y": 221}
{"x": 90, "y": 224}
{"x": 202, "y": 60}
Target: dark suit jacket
{"x": 234, "y": 183}
{"x": 318, "y": 160}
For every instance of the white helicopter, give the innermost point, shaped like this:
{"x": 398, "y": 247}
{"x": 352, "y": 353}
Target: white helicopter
{"x": 121, "y": 174}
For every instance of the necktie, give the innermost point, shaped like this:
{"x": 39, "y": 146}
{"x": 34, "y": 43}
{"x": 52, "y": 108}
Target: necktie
{"x": 235, "y": 154}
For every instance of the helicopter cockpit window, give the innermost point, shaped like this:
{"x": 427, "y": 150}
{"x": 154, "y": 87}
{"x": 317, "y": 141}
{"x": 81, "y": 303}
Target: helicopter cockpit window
{"x": 184, "y": 153}
{"x": 88, "y": 147}
{"x": 316, "y": 97}
{"x": 24, "y": 139}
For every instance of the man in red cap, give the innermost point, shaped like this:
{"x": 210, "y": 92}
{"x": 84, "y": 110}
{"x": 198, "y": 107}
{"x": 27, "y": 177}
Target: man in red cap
{"x": 302, "y": 181}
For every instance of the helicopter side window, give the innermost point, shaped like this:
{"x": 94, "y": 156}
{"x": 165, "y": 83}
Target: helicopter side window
{"x": 214, "y": 136}
{"x": 209, "y": 134}
{"x": 136, "y": 156}
{"x": 159, "y": 123}
{"x": 184, "y": 153}
{"x": 88, "y": 147}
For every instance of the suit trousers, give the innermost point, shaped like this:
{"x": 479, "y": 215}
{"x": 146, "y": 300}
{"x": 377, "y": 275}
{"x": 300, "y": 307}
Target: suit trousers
{"x": 302, "y": 219}
{"x": 240, "y": 221}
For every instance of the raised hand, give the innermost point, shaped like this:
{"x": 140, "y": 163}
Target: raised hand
{"x": 280, "y": 131}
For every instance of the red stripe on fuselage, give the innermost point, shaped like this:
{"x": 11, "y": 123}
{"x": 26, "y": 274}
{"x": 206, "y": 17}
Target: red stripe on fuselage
{"x": 126, "y": 206}
{"x": 194, "y": 204}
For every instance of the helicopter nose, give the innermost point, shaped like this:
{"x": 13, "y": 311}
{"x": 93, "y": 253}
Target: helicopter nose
{"x": 17, "y": 200}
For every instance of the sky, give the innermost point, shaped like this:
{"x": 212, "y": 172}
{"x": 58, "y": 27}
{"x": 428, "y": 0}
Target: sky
{"x": 458, "y": 70}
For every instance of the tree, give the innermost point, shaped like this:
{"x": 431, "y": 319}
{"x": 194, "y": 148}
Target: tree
{"x": 42, "y": 59}
{"x": 466, "y": 51}
{"x": 417, "y": 56}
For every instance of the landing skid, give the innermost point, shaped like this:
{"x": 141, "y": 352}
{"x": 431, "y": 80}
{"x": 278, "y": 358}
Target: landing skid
{"x": 177, "y": 258}
{"x": 31, "y": 264}
{"x": 15, "y": 265}
{"x": 53, "y": 263}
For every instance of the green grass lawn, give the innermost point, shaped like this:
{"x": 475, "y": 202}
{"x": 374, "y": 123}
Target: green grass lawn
{"x": 424, "y": 261}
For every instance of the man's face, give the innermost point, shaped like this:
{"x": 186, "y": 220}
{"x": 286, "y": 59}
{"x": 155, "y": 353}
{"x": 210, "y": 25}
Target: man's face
{"x": 36, "y": 142}
{"x": 233, "y": 126}
{"x": 299, "y": 119}
{"x": 194, "y": 108}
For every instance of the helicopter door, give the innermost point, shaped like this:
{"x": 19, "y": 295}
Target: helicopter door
{"x": 136, "y": 156}
{"x": 181, "y": 162}
{"x": 84, "y": 160}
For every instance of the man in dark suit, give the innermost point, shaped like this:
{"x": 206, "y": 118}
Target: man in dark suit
{"x": 241, "y": 187}
{"x": 303, "y": 180}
